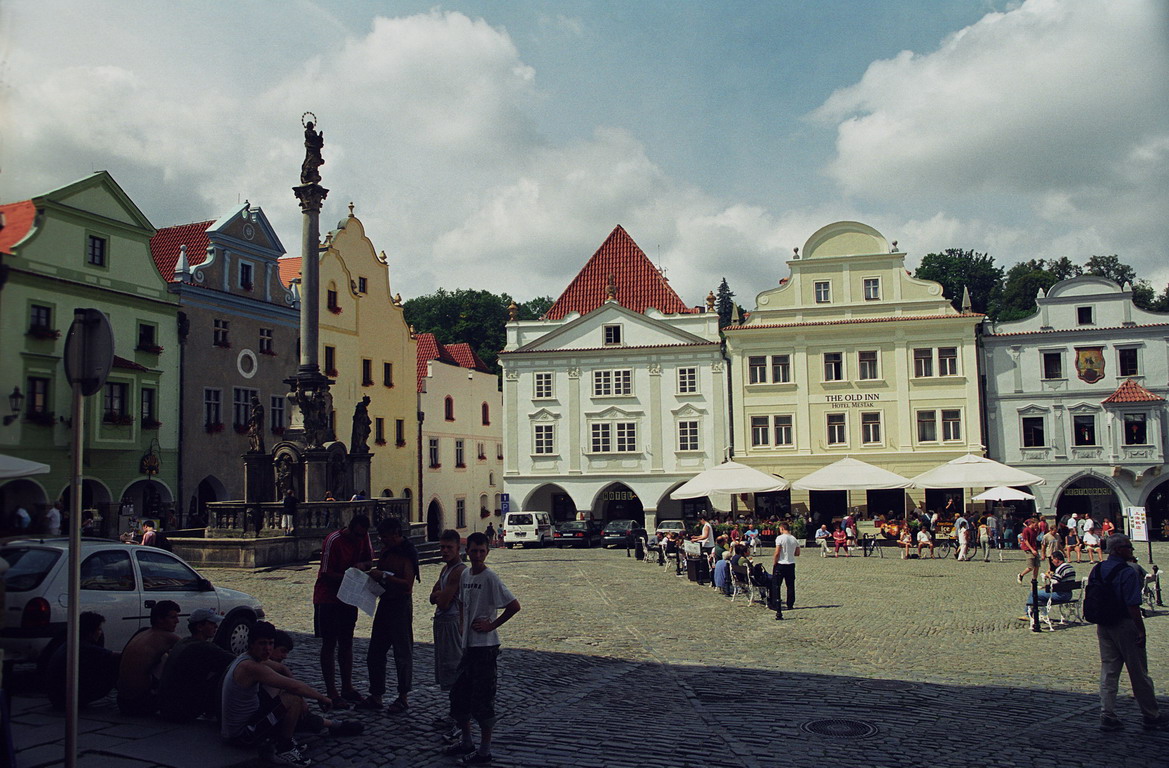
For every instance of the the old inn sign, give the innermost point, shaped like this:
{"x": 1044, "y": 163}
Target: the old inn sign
{"x": 853, "y": 400}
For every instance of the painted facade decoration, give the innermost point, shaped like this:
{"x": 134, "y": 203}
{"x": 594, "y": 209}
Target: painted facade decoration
{"x": 615, "y": 398}
{"x": 1076, "y": 394}
{"x": 850, "y": 356}
{"x": 87, "y": 244}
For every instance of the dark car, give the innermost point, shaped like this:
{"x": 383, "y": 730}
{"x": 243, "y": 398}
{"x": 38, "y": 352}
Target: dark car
{"x": 616, "y": 530}
{"x": 577, "y": 533}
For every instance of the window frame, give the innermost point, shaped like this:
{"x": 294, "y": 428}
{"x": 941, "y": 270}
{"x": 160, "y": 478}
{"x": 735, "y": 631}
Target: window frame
{"x": 822, "y": 291}
{"x": 687, "y": 433}
{"x": 836, "y": 428}
{"x": 923, "y": 362}
{"x": 612, "y": 335}
{"x": 387, "y": 374}
{"x": 276, "y": 413}
{"x": 688, "y": 380}
{"x": 1128, "y": 361}
{"x": 785, "y": 429}
{"x": 951, "y": 422}
{"x": 97, "y": 257}
{"x": 1027, "y": 431}
{"x": 781, "y": 368}
{"x": 947, "y": 361}
{"x": 1087, "y": 311}
{"x": 757, "y": 369}
{"x": 115, "y": 400}
{"x": 871, "y": 428}
{"x": 760, "y": 431}
{"x": 617, "y": 381}
{"x": 833, "y": 370}
{"x": 1046, "y": 358}
{"x": 875, "y": 284}
{"x": 433, "y": 454}
{"x": 544, "y": 439}
{"x": 926, "y": 425}
{"x": 241, "y": 405}
{"x": 542, "y": 385}
{"x": 1132, "y": 419}
{"x": 212, "y": 406}
{"x": 1091, "y": 440}
{"x": 873, "y": 364}
{"x": 266, "y": 341}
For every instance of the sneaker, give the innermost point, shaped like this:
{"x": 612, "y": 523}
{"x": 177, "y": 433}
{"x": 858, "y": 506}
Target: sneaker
{"x": 476, "y": 758}
{"x": 1161, "y": 723}
{"x": 1019, "y": 578}
{"x": 1108, "y": 723}
{"x": 291, "y": 757}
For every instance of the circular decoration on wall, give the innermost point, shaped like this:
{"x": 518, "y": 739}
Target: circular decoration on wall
{"x": 247, "y": 364}
{"x": 249, "y": 231}
{"x": 764, "y": 300}
{"x": 934, "y": 290}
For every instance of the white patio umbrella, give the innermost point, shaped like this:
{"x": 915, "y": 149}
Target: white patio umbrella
{"x": 12, "y": 467}
{"x": 1003, "y": 493}
{"x": 972, "y": 471}
{"x": 729, "y": 478}
{"x": 850, "y": 474}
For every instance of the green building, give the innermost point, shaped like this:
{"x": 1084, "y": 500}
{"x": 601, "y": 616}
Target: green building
{"x": 87, "y": 244}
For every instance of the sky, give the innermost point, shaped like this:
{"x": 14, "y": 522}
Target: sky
{"x": 496, "y": 144}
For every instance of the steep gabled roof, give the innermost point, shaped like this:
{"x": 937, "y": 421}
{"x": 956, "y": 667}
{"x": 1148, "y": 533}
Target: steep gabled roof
{"x": 289, "y": 267}
{"x": 18, "y": 221}
{"x": 429, "y": 349}
{"x": 165, "y": 245}
{"x": 638, "y": 283}
{"x": 1131, "y": 392}
{"x": 466, "y": 356}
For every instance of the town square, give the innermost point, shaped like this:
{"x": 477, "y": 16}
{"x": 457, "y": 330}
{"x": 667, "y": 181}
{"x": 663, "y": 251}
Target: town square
{"x": 552, "y": 384}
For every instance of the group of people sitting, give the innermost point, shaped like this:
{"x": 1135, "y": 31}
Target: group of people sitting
{"x": 255, "y": 697}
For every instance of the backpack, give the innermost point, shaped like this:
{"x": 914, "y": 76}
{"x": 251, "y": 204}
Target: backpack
{"x": 1100, "y": 604}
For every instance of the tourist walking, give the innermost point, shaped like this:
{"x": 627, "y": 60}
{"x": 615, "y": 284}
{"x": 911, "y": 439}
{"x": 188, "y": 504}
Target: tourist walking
{"x": 783, "y": 567}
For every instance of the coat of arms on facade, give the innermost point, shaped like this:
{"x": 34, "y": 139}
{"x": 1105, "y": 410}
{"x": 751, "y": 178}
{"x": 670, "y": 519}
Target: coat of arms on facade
{"x": 1090, "y": 363}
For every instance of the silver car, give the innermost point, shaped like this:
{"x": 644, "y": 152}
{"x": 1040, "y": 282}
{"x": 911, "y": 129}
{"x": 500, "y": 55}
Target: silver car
{"x": 120, "y": 581}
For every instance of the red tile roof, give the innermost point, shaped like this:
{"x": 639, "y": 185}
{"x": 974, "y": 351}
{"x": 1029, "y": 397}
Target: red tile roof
{"x": 610, "y": 349}
{"x": 18, "y": 221}
{"x": 129, "y": 365}
{"x": 1094, "y": 329}
{"x": 165, "y": 244}
{"x": 466, "y": 356}
{"x": 289, "y": 269}
{"x": 429, "y": 349}
{"x": 638, "y": 282}
{"x": 848, "y": 320}
{"x": 1131, "y": 392}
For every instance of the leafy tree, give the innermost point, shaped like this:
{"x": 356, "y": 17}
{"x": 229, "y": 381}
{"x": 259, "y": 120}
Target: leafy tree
{"x": 957, "y": 269}
{"x": 724, "y": 303}
{"x": 534, "y": 309}
{"x": 1112, "y": 268}
{"x": 1063, "y": 268}
{"x": 1023, "y": 281}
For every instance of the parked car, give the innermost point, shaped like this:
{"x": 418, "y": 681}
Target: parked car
{"x": 577, "y": 533}
{"x": 119, "y": 581}
{"x": 666, "y": 527}
{"x": 523, "y": 528}
{"x": 616, "y": 531}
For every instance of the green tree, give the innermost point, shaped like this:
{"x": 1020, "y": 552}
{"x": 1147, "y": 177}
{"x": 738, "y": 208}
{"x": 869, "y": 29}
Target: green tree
{"x": 1023, "y": 281}
{"x": 1120, "y": 273}
{"x": 957, "y": 269}
{"x": 534, "y": 309}
{"x": 1064, "y": 268}
{"x": 724, "y": 303}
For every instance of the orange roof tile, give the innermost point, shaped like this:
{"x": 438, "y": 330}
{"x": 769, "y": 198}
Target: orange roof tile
{"x": 466, "y": 356}
{"x": 429, "y": 349}
{"x": 1131, "y": 392}
{"x": 18, "y": 221}
{"x": 289, "y": 267}
{"x": 165, "y": 245}
{"x": 638, "y": 282}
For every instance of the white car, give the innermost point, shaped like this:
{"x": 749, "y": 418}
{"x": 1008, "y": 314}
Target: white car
{"x": 666, "y": 527}
{"x": 120, "y": 581}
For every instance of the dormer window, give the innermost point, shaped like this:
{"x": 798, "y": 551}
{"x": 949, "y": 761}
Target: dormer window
{"x": 1084, "y": 316}
{"x": 612, "y": 335}
{"x": 362, "y": 285}
{"x": 872, "y": 286}
{"x": 823, "y": 292}
{"x": 245, "y": 276}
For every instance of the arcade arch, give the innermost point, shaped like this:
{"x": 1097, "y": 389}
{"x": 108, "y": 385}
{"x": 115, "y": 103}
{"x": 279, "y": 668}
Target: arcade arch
{"x": 553, "y": 499}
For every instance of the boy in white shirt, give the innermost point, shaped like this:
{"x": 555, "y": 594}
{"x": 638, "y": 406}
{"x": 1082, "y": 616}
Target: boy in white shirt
{"x": 473, "y": 694}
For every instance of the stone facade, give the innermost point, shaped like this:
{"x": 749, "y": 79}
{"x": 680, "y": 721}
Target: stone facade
{"x": 239, "y": 340}
{"x": 850, "y": 356}
{"x": 1076, "y": 394}
{"x": 462, "y": 434}
{"x": 85, "y": 245}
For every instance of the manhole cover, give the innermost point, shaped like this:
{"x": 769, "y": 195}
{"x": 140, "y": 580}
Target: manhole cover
{"x": 840, "y": 728}
{"x": 888, "y": 685}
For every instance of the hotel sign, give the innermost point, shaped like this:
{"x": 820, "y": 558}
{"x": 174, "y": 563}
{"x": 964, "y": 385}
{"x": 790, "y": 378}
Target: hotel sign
{"x": 853, "y": 400}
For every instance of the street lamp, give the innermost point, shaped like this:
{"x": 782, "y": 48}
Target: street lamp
{"x": 15, "y": 402}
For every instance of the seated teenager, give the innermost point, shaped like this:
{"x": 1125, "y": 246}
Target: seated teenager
{"x": 142, "y": 660}
{"x": 97, "y": 666}
{"x": 191, "y": 676}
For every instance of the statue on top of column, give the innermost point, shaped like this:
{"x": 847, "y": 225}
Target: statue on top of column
{"x": 313, "y": 142}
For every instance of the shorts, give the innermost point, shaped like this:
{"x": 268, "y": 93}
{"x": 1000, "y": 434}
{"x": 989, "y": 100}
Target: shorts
{"x": 448, "y": 650}
{"x": 332, "y": 621}
{"x": 261, "y": 724}
{"x": 473, "y": 694}
{"x": 1033, "y": 560}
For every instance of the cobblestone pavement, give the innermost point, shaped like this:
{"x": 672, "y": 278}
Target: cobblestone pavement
{"x": 614, "y": 662}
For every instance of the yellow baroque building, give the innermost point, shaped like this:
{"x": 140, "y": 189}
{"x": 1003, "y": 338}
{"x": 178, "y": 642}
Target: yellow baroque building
{"x": 851, "y": 356}
{"x": 367, "y": 348}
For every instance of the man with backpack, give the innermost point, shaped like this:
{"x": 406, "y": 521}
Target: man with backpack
{"x": 1112, "y": 602}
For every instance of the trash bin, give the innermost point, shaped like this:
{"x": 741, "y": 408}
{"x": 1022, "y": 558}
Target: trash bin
{"x": 698, "y": 569}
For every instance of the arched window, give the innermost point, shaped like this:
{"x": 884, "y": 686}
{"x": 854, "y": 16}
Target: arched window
{"x": 449, "y": 408}
{"x": 486, "y": 414}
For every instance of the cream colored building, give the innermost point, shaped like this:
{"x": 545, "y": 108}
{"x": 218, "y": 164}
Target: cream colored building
{"x": 367, "y": 348}
{"x": 462, "y": 438}
{"x": 850, "y": 356}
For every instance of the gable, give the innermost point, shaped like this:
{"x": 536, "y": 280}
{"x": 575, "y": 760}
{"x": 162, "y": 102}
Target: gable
{"x": 637, "y": 330}
{"x": 99, "y": 195}
{"x": 613, "y": 412}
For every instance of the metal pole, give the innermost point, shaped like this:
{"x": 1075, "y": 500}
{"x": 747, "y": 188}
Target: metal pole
{"x": 1035, "y": 604}
{"x": 74, "y": 615}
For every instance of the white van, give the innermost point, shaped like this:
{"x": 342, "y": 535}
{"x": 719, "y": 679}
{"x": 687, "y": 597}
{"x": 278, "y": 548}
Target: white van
{"x": 523, "y": 528}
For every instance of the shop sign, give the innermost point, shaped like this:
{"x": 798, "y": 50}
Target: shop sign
{"x": 853, "y": 400}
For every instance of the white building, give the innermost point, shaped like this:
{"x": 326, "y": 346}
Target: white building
{"x": 462, "y": 449}
{"x": 616, "y": 397}
{"x": 1076, "y": 394}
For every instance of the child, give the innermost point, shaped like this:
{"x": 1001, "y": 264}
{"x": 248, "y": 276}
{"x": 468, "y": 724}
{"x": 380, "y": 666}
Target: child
{"x": 448, "y": 616}
{"x": 473, "y": 694}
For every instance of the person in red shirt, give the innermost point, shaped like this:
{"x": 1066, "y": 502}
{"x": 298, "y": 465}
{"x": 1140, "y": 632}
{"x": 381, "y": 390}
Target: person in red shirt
{"x": 333, "y": 620}
{"x": 1029, "y": 543}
